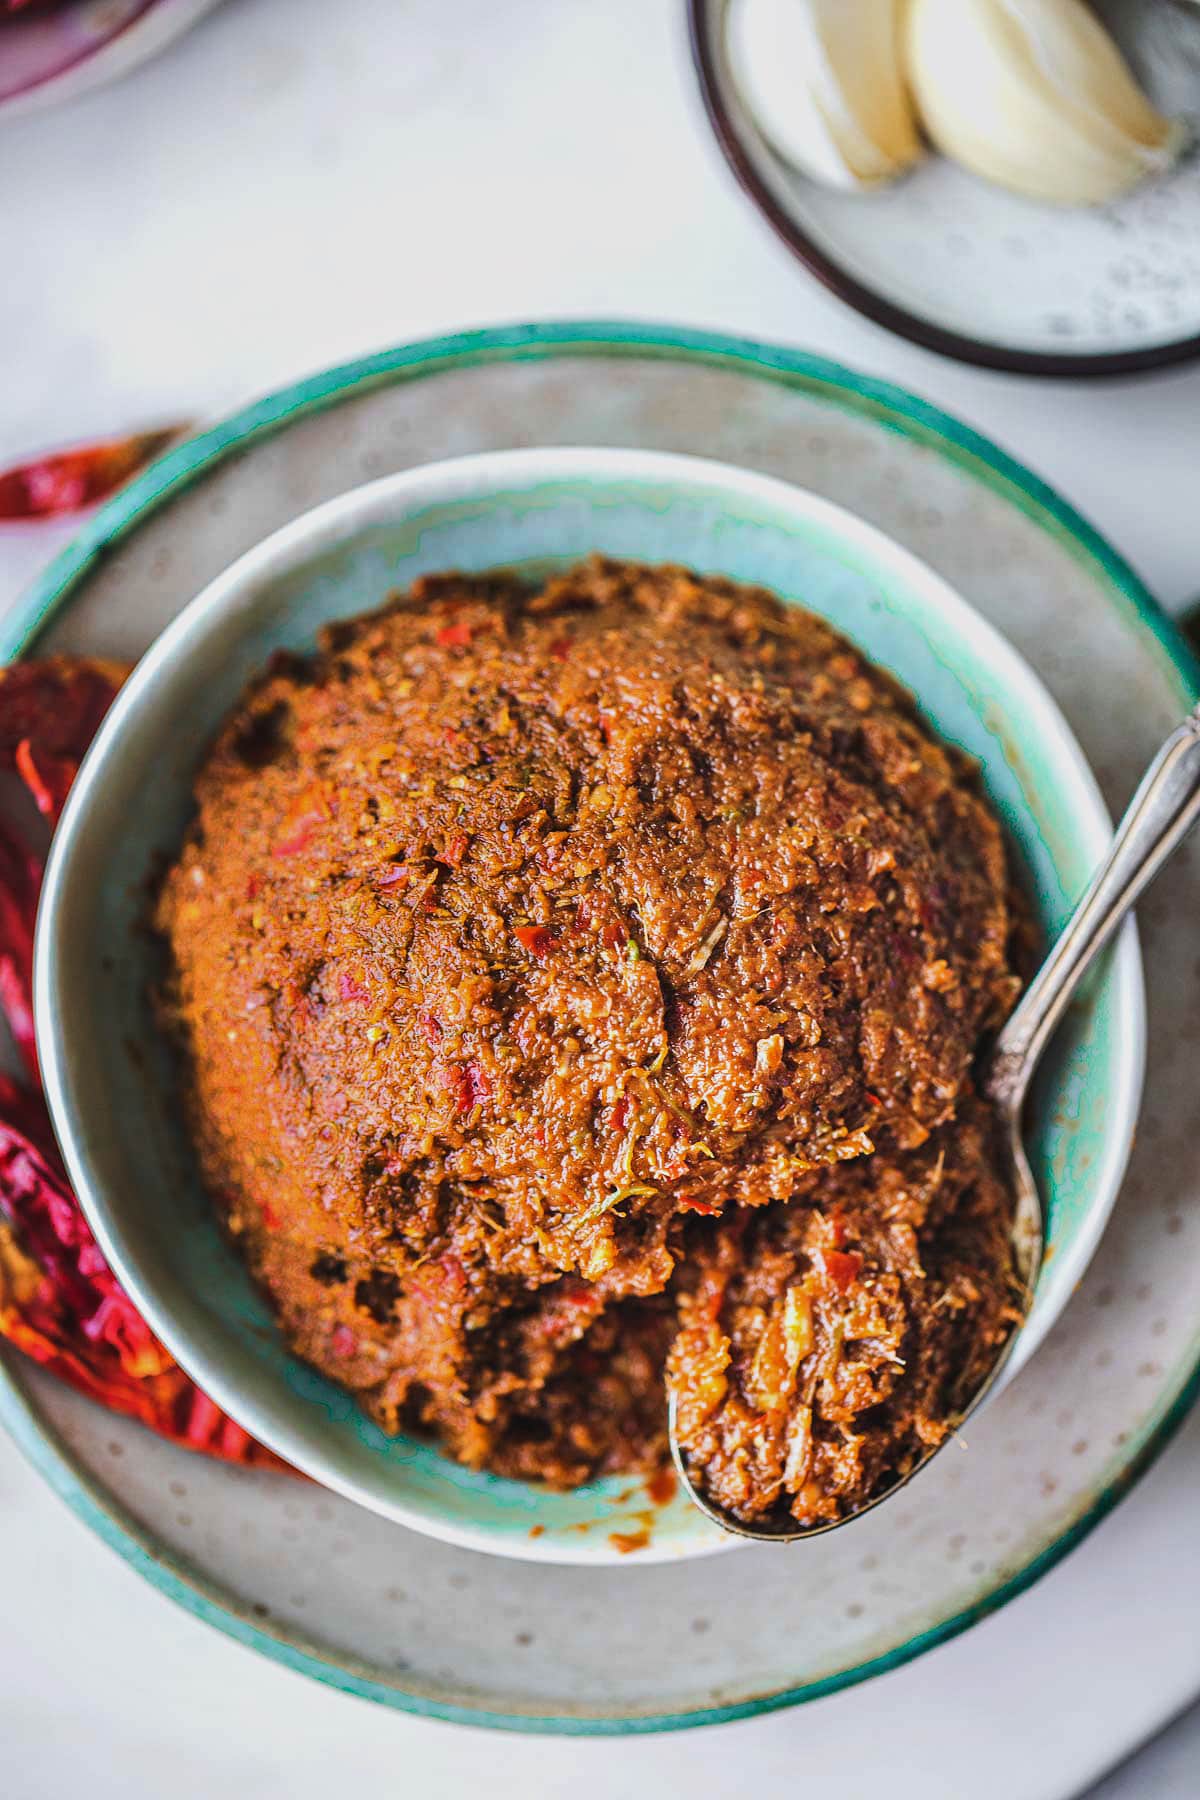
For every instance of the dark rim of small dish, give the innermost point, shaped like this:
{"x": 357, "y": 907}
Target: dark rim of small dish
{"x": 866, "y": 300}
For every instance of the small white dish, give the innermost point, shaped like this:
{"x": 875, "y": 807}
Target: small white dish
{"x": 973, "y": 271}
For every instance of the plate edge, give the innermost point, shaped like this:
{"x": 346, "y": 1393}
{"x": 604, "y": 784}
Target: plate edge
{"x": 919, "y": 419}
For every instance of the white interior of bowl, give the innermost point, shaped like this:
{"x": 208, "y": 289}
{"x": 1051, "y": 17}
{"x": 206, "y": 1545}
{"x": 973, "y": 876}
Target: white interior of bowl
{"x": 111, "y": 1088}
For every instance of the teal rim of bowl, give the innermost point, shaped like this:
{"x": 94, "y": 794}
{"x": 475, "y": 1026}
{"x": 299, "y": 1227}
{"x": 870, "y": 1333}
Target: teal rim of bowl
{"x": 893, "y": 409}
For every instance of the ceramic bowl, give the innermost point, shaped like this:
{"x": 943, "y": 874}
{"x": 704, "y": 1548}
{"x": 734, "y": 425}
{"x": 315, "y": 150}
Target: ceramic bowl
{"x": 112, "y": 1086}
{"x": 966, "y": 268}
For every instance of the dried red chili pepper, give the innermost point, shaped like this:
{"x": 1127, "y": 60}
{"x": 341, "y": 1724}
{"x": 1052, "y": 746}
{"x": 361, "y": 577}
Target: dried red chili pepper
{"x": 20, "y": 882}
{"x": 61, "y": 1304}
{"x": 50, "y": 710}
{"x": 59, "y": 1301}
{"x": 65, "y": 481}
{"x": 49, "y": 713}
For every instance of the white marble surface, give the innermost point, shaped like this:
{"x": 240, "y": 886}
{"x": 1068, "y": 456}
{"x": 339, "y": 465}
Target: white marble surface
{"x": 293, "y": 184}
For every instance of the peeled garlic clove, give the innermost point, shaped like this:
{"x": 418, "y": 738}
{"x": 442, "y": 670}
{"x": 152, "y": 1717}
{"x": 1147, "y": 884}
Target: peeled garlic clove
{"x": 823, "y": 80}
{"x": 1035, "y": 95}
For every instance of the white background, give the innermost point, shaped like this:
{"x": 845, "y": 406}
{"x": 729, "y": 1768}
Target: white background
{"x": 294, "y": 183}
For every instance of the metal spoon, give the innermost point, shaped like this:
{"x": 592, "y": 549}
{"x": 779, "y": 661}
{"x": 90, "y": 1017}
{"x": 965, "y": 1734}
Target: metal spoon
{"x": 1161, "y": 813}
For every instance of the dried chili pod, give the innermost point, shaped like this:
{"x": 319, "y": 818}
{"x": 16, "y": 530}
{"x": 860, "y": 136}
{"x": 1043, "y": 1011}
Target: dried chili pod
{"x": 65, "y": 481}
{"x": 20, "y": 883}
{"x": 50, "y": 710}
{"x": 60, "y": 1303}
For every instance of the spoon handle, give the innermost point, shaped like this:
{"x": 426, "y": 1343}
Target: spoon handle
{"x": 1161, "y": 813}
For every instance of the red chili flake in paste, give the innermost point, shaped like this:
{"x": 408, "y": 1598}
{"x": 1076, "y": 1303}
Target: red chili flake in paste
{"x": 842, "y": 1267}
{"x": 537, "y": 939}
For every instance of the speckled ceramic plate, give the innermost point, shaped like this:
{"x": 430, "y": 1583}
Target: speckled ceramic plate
{"x": 345, "y": 1596}
{"x": 55, "y": 55}
{"x": 113, "y": 1089}
{"x": 965, "y": 268}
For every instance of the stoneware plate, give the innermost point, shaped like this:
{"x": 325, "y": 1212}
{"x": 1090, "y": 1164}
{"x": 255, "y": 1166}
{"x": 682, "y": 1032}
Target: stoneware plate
{"x": 58, "y": 54}
{"x": 337, "y": 1592}
{"x": 966, "y": 268}
{"x": 113, "y": 1089}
